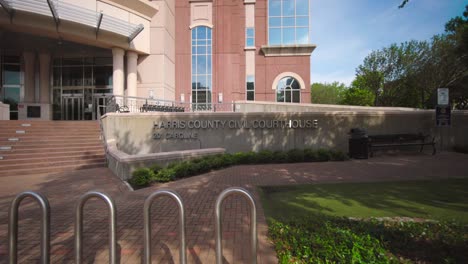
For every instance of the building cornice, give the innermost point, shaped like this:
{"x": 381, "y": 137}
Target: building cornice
{"x": 288, "y": 50}
{"x": 143, "y": 8}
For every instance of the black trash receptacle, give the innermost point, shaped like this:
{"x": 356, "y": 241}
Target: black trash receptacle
{"x": 358, "y": 144}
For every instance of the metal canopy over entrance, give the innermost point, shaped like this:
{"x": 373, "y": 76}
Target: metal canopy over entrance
{"x": 68, "y": 12}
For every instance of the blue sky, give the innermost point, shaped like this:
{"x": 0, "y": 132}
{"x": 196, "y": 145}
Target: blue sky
{"x": 345, "y": 31}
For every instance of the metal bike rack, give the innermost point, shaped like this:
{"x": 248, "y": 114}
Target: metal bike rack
{"x": 45, "y": 226}
{"x": 253, "y": 223}
{"x": 147, "y": 224}
{"x": 79, "y": 225}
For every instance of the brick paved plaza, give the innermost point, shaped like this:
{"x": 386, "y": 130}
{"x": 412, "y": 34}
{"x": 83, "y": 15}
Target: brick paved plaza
{"x": 199, "y": 194}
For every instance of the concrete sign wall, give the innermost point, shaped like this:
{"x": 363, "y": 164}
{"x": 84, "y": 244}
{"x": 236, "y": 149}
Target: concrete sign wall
{"x": 164, "y": 132}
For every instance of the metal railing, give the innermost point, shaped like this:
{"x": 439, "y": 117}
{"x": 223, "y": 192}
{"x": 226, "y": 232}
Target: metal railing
{"x": 253, "y": 223}
{"x": 147, "y": 224}
{"x": 79, "y": 226}
{"x": 45, "y": 226}
{"x": 141, "y": 105}
{"x": 45, "y": 232}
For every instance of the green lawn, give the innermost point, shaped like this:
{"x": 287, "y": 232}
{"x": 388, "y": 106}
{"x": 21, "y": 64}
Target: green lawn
{"x": 444, "y": 200}
{"x": 311, "y": 224}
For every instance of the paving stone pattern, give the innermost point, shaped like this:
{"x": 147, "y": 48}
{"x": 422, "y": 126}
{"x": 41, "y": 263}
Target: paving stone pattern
{"x": 198, "y": 193}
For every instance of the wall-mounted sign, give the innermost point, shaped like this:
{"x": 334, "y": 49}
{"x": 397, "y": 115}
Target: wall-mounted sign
{"x": 190, "y": 129}
{"x": 443, "y": 96}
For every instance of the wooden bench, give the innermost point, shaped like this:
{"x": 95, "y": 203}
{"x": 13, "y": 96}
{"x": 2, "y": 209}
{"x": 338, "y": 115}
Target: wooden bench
{"x": 397, "y": 140}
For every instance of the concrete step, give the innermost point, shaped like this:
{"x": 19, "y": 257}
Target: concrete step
{"x": 54, "y": 147}
{"x": 36, "y": 159}
{"x": 63, "y": 141}
{"x": 52, "y": 169}
{"x": 58, "y": 153}
{"x": 53, "y": 163}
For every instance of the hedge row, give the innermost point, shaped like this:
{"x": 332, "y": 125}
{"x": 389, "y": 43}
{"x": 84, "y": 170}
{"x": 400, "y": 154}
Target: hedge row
{"x": 145, "y": 176}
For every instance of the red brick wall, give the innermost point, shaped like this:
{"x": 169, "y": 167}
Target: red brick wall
{"x": 229, "y": 55}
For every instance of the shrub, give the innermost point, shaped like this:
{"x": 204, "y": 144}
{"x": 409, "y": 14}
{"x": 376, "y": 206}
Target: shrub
{"x": 323, "y": 155}
{"x": 310, "y": 155}
{"x": 178, "y": 170}
{"x": 265, "y": 156}
{"x": 165, "y": 175}
{"x": 295, "y": 155}
{"x": 242, "y": 157}
{"x": 280, "y": 157}
{"x": 337, "y": 155}
{"x": 216, "y": 162}
{"x": 182, "y": 169}
{"x": 155, "y": 168}
{"x": 141, "y": 177}
{"x": 306, "y": 241}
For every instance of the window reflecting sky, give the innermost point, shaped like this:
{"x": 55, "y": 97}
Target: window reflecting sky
{"x": 201, "y": 64}
{"x": 288, "y": 22}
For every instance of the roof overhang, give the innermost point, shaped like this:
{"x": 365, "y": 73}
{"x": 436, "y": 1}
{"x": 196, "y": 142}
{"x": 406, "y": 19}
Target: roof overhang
{"x": 63, "y": 11}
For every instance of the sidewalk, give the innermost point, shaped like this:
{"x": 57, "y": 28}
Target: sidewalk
{"x": 199, "y": 194}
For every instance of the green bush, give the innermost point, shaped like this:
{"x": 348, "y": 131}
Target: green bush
{"x": 141, "y": 177}
{"x": 265, "y": 156}
{"x": 280, "y": 157}
{"x": 179, "y": 170}
{"x": 338, "y": 155}
{"x": 295, "y": 155}
{"x": 323, "y": 155}
{"x": 310, "y": 155}
{"x": 165, "y": 175}
{"x": 305, "y": 241}
{"x": 155, "y": 168}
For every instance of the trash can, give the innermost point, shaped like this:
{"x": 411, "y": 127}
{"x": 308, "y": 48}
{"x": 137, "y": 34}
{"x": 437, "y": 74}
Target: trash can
{"x": 358, "y": 144}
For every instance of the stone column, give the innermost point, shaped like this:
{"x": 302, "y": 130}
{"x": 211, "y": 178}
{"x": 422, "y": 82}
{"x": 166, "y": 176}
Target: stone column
{"x": 44, "y": 78}
{"x": 29, "y": 71}
{"x": 118, "y": 74}
{"x": 132, "y": 73}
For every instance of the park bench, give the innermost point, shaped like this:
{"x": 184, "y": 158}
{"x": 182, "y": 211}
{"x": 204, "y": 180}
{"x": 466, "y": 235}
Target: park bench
{"x": 400, "y": 140}
{"x": 160, "y": 108}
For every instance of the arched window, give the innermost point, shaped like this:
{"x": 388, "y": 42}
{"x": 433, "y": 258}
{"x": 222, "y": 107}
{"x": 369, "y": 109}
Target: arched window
{"x": 201, "y": 67}
{"x": 288, "y": 22}
{"x": 288, "y": 90}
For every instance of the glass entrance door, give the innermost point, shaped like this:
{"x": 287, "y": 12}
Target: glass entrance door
{"x": 72, "y": 107}
{"x": 99, "y": 104}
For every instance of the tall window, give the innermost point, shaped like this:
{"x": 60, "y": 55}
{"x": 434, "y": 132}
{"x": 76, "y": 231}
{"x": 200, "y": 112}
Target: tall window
{"x": 288, "y": 22}
{"x": 250, "y": 88}
{"x": 288, "y": 90}
{"x": 10, "y": 83}
{"x": 201, "y": 67}
{"x": 250, "y": 37}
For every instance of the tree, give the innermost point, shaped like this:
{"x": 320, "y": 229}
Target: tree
{"x": 327, "y": 93}
{"x": 356, "y": 96}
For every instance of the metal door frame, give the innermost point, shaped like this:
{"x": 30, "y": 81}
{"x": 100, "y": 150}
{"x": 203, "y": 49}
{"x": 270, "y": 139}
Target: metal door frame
{"x": 66, "y": 98}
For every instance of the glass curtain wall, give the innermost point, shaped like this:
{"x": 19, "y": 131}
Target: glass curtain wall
{"x": 288, "y": 22}
{"x": 88, "y": 78}
{"x": 201, "y": 67}
{"x": 10, "y": 80}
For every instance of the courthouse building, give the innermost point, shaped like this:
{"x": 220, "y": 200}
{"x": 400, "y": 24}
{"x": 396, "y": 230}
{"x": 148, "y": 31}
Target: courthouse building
{"x": 61, "y": 59}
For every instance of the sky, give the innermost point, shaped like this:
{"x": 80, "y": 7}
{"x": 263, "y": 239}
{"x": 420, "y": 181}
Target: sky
{"x": 346, "y": 31}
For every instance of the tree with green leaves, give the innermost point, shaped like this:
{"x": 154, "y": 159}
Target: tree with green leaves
{"x": 327, "y": 93}
{"x": 356, "y": 96}
{"x": 408, "y": 74}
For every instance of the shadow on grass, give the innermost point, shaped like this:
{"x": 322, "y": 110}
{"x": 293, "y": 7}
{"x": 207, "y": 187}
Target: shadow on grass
{"x": 310, "y": 208}
{"x": 444, "y": 200}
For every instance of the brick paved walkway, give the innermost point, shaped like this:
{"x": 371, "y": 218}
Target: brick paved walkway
{"x": 199, "y": 194}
